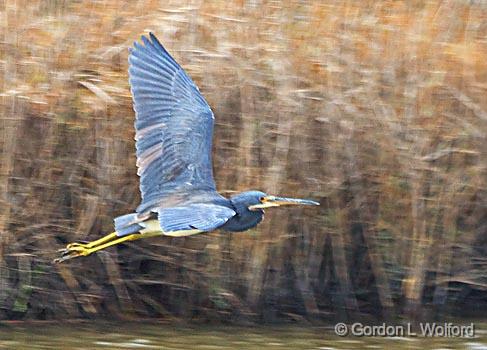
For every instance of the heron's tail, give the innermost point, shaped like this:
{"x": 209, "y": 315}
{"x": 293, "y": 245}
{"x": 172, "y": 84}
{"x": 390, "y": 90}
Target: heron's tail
{"x": 127, "y": 224}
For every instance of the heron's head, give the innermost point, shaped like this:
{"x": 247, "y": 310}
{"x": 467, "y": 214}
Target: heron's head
{"x": 256, "y": 200}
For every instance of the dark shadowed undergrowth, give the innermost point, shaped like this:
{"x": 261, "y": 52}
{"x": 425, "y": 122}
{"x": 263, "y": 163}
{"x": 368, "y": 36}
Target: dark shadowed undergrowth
{"x": 376, "y": 109}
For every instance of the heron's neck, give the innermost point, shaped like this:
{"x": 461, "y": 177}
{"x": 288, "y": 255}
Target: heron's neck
{"x": 244, "y": 219}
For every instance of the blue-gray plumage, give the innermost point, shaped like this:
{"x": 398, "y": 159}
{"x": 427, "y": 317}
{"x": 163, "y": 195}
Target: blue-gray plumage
{"x": 174, "y": 126}
{"x": 174, "y": 129}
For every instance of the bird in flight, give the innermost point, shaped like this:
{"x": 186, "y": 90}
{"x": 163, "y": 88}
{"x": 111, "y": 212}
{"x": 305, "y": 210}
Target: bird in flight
{"x": 174, "y": 129}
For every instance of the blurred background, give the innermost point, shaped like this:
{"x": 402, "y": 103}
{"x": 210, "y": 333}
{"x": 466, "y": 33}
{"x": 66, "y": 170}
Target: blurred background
{"x": 376, "y": 109}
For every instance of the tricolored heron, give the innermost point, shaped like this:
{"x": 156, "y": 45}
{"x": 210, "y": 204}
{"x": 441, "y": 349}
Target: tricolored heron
{"x": 174, "y": 128}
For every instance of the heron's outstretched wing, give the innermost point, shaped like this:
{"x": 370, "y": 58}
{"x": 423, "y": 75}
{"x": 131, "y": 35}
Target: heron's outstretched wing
{"x": 202, "y": 217}
{"x": 174, "y": 126}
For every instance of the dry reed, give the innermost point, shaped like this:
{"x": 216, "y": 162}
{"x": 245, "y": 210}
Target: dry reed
{"x": 377, "y": 109}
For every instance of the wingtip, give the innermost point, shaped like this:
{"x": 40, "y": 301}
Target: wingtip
{"x": 153, "y": 37}
{"x": 137, "y": 45}
{"x": 150, "y": 38}
{"x": 146, "y": 41}
{"x": 156, "y": 41}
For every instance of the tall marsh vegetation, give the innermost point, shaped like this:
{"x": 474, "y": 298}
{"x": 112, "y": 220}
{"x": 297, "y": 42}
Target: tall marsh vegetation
{"x": 376, "y": 109}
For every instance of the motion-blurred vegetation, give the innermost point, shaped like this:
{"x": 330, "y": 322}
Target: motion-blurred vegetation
{"x": 375, "y": 108}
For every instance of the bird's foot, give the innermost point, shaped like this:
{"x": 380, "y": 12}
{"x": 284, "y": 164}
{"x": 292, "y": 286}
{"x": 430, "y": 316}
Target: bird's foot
{"x": 74, "y": 250}
{"x": 78, "y": 244}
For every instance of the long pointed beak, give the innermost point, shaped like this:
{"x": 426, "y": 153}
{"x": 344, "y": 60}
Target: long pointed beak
{"x": 272, "y": 201}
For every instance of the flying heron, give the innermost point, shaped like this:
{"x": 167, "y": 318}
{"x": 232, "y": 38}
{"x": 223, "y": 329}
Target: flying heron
{"x": 174, "y": 128}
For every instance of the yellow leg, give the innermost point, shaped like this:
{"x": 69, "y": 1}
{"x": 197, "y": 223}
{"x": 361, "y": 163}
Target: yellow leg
{"x": 102, "y": 240}
{"x": 74, "y": 251}
{"x": 131, "y": 237}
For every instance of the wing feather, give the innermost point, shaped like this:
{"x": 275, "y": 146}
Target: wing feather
{"x": 174, "y": 126}
{"x": 204, "y": 217}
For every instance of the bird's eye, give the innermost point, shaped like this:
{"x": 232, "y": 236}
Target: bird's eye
{"x": 261, "y": 199}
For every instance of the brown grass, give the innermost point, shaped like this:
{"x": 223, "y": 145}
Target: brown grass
{"x": 377, "y": 109}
